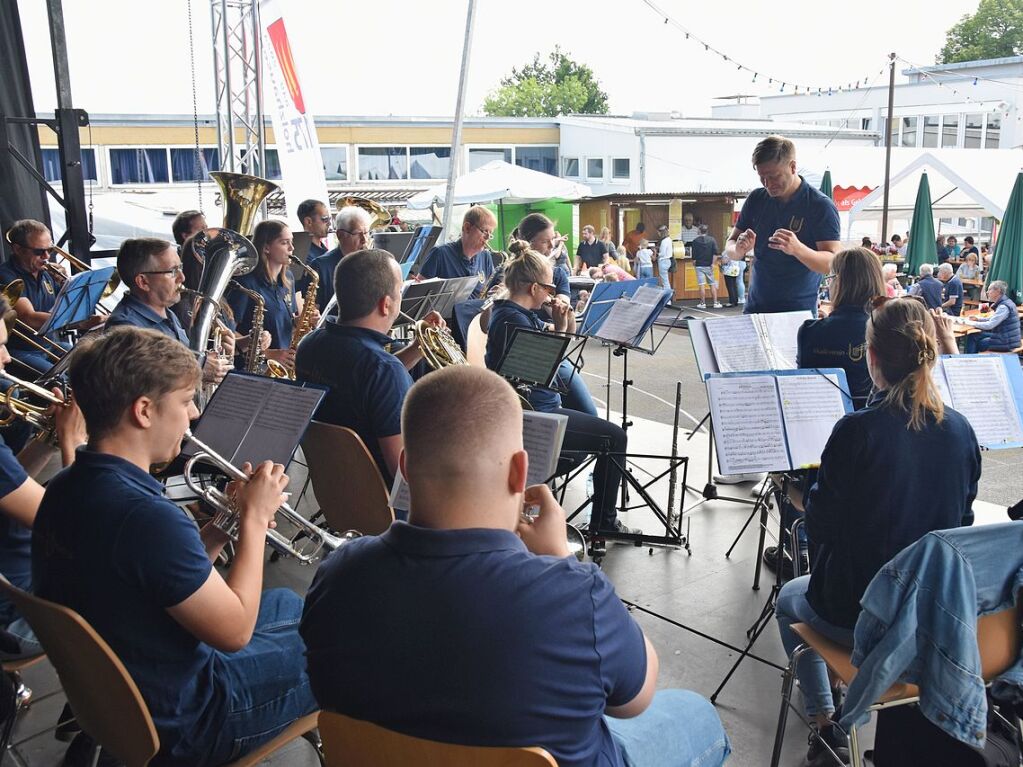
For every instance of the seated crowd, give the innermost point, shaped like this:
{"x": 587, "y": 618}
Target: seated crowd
{"x": 484, "y": 628}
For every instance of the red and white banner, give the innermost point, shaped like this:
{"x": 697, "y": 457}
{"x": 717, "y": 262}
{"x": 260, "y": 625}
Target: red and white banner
{"x": 298, "y": 148}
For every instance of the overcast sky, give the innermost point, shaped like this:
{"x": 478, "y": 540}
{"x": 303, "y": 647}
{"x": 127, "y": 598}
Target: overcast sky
{"x": 402, "y": 57}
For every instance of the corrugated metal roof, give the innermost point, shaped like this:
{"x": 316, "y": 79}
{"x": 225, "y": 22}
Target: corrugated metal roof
{"x": 275, "y": 201}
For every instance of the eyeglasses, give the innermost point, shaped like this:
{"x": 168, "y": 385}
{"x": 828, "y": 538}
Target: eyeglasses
{"x": 325, "y": 219}
{"x": 176, "y": 270}
{"x": 487, "y": 233}
{"x": 360, "y": 235}
{"x": 551, "y": 289}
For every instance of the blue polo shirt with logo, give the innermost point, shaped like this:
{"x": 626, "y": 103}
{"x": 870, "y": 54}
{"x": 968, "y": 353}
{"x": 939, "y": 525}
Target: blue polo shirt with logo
{"x": 278, "y": 302}
{"x": 953, "y": 288}
{"x": 780, "y": 282}
{"x": 838, "y": 341}
{"x": 448, "y": 261}
{"x": 467, "y": 637}
{"x": 504, "y": 318}
{"x": 324, "y": 266}
{"x": 41, "y": 290}
{"x": 367, "y": 384}
{"x": 131, "y": 311}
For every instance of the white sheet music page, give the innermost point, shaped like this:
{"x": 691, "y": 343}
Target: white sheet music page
{"x": 981, "y": 392}
{"x": 748, "y": 428}
{"x": 782, "y": 330}
{"x": 737, "y": 345}
{"x": 542, "y": 435}
{"x": 647, "y": 294}
{"x": 625, "y": 321}
{"x": 811, "y": 405}
{"x": 938, "y": 377}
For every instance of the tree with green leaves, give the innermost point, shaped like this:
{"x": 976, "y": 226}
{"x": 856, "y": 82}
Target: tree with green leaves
{"x": 994, "y": 31}
{"x": 547, "y": 88}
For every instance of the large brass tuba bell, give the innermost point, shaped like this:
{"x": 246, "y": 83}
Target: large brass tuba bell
{"x": 242, "y": 195}
{"x": 381, "y": 216}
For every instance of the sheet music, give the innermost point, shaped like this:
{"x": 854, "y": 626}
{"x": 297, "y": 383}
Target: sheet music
{"x": 981, "y": 392}
{"x": 747, "y": 424}
{"x": 532, "y": 357}
{"x": 648, "y": 294}
{"x": 625, "y": 321}
{"x": 542, "y": 437}
{"x": 702, "y": 349}
{"x": 938, "y": 377}
{"x": 811, "y": 405}
{"x": 782, "y": 330}
{"x": 737, "y": 345}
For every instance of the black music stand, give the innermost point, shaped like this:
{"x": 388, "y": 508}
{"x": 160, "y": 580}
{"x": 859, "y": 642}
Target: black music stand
{"x": 77, "y": 299}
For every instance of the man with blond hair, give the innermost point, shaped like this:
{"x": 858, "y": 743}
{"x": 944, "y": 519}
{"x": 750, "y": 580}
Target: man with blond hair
{"x": 480, "y": 628}
{"x": 469, "y": 255}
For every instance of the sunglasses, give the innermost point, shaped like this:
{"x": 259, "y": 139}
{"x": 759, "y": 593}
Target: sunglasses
{"x": 551, "y": 289}
{"x": 40, "y": 251}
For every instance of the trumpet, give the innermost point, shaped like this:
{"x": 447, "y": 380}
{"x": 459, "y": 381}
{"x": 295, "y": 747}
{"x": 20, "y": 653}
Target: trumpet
{"x": 21, "y": 329}
{"x": 16, "y": 407}
{"x": 227, "y": 520}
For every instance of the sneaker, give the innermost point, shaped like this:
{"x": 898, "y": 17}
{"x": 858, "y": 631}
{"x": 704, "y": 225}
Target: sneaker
{"x": 701, "y": 306}
{"x": 737, "y": 479}
{"x": 770, "y": 558}
{"x": 621, "y": 528}
{"x": 717, "y": 305}
{"x": 742, "y": 300}
{"x": 818, "y": 756}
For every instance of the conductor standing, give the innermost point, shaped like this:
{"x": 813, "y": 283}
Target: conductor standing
{"x": 791, "y": 229}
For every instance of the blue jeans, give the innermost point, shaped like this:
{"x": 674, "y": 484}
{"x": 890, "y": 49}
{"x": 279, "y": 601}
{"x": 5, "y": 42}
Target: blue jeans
{"x": 643, "y": 272}
{"x": 577, "y": 397}
{"x": 679, "y": 729}
{"x": 663, "y": 265}
{"x": 811, "y": 669}
{"x": 267, "y": 682}
{"x": 978, "y": 342}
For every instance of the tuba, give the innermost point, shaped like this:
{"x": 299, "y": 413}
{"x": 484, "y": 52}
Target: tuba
{"x": 380, "y": 215}
{"x": 226, "y": 252}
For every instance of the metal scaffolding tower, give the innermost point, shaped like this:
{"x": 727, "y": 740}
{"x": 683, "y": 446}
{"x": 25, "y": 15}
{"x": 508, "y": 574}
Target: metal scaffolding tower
{"x": 237, "y": 67}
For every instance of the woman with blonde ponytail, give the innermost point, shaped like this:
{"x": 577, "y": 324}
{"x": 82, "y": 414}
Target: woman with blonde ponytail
{"x": 877, "y": 492}
{"x": 529, "y": 286}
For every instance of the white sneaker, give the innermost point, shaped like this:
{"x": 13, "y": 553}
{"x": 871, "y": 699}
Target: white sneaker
{"x": 742, "y": 300}
{"x": 701, "y": 306}
{"x": 717, "y": 305}
{"x": 736, "y": 479}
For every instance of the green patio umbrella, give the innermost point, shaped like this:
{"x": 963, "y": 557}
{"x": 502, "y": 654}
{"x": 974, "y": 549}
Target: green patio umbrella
{"x": 826, "y": 184}
{"x": 1007, "y": 259}
{"x": 921, "y": 248}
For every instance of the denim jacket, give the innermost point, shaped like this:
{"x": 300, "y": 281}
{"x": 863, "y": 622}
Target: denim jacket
{"x": 919, "y": 625}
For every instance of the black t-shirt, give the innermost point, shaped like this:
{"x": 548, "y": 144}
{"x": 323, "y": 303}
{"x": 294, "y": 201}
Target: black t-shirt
{"x": 592, "y": 254}
{"x": 705, "y": 248}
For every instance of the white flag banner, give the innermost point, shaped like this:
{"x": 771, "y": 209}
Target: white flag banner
{"x": 298, "y": 148}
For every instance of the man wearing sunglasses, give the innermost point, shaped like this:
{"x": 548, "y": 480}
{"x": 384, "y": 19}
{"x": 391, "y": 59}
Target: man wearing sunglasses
{"x": 352, "y": 225}
{"x": 31, "y": 248}
{"x": 469, "y": 255}
{"x": 315, "y": 220}
{"x": 151, "y": 270}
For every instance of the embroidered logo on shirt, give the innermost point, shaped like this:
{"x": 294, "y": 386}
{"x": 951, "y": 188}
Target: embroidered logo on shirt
{"x": 795, "y": 224}
{"x": 48, "y": 286}
{"x": 856, "y": 353}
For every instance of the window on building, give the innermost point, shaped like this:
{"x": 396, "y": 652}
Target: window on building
{"x": 571, "y": 166}
{"x": 139, "y": 166}
{"x": 52, "y": 169}
{"x": 621, "y": 168}
{"x": 335, "y": 162}
{"x": 950, "y": 131}
{"x": 183, "y": 163}
{"x": 974, "y": 131}
{"x": 991, "y": 134}
{"x": 481, "y": 155}
{"x": 594, "y": 167}
{"x": 932, "y": 124}
{"x": 541, "y": 158}
{"x": 378, "y": 163}
{"x": 908, "y": 131}
{"x": 430, "y": 162}
{"x": 273, "y": 165}
{"x": 866, "y": 123}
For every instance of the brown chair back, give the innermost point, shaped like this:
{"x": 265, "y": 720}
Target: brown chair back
{"x": 106, "y": 702}
{"x": 348, "y": 741}
{"x": 346, "y": 480}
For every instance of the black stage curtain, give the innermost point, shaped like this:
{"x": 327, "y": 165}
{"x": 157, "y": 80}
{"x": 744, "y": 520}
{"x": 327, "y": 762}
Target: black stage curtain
{"x": 21, "y": 196}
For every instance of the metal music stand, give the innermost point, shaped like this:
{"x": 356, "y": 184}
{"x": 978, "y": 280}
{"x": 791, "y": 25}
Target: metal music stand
{"x": 76, "y": 302}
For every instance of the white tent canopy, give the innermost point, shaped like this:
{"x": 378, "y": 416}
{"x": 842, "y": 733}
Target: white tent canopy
{"x": 976, "y": 187}
{"x": 499, "y": 180}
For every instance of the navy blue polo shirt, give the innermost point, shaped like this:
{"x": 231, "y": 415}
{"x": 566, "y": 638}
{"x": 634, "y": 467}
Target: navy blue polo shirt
{"x": 505, "y": 316}
{"x": 838, "y": 341}
{"x": 367, "y": 384}
{"x": 325, "y": 266}
{"x": 954, "y": 287}
{"x": 15, "y": 538}
{"x": 466, "y": 637}
{"x": 591, "y": 254}
{"x": 41, "y": 290}
{"x": 780, "y": 283}
{"x": 562, "y": 282}
{"x": 131, "y": 311}
{"x": 448, "y": 261}
{"x": 278, "y": 302}
{"x": 930, "y": 289}
{"x": 110, "y": 546}
{"x": 315, "y": 251}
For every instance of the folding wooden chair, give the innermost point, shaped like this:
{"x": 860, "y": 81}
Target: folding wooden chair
{"x": 351, "y": 742}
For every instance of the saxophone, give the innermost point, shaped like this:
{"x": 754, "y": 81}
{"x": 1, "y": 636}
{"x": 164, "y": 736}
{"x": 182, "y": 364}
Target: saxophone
{"x": 255, "y": 360}
{"x": 304, "y": 321}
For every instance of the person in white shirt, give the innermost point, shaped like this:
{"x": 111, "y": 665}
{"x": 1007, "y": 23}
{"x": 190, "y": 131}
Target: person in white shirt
{"x": 663, "y": 256}
{"x": 644, "y": 260}
{"x": 690, "y": 231}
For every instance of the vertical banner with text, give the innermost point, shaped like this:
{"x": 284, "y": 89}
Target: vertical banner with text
{"x": 298, "y": 148}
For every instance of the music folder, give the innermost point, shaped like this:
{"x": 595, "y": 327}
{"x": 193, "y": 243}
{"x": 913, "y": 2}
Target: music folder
{"x": 987, "y": 389}
{"x": 77, "y": 299}
{"x": 254, "y": 418}
{"x": 532, "y": 357}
